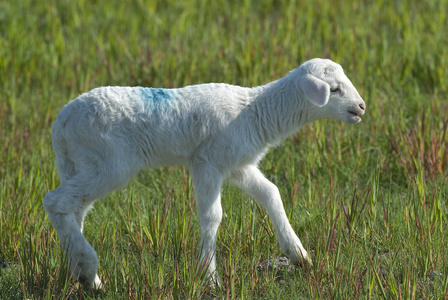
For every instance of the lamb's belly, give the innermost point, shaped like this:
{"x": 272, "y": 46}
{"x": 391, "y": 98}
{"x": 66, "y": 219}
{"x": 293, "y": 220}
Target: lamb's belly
{"x": 164, "y": 159}
{"x": 167, "y": 151}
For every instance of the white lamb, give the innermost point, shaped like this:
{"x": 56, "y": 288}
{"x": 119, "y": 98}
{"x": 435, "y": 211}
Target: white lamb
{"x": 219, "y": 131}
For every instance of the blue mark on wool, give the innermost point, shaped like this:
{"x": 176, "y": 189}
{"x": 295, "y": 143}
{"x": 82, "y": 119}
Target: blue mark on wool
{"x": 155, "y": 98}
{"x": 156, "y": 95}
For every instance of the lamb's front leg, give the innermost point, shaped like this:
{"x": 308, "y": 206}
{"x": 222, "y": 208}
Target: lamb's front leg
{"x": 266, "y": 193}
{"x": 207, "y": 183}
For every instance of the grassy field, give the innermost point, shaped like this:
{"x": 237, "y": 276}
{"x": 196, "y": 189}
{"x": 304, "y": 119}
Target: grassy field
{"x": 369, "y": 201}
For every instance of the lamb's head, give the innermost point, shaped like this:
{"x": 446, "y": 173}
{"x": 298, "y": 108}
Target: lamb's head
{"x": 325, "y": 85}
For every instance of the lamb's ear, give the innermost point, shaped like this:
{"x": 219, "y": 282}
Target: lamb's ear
{"x": 316, "y": 90}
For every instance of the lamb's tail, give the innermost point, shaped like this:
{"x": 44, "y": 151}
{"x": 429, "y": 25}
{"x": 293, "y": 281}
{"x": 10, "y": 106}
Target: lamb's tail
{"x": 66, "y": 167}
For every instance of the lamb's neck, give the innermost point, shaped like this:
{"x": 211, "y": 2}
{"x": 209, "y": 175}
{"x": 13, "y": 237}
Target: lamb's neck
{"x": 280, "y": 109}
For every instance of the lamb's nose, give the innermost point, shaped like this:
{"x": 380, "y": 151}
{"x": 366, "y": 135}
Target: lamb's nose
{"x": 362, "y": 106}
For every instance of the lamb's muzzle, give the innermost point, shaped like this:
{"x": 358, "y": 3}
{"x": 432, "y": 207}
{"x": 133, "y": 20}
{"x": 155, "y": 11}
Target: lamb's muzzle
{"x": 358, "y": 112}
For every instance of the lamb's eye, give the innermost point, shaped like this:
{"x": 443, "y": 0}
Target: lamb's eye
{"x": 335, "y": 89}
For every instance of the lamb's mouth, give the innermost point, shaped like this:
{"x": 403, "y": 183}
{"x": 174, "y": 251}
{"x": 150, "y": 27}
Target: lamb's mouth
{"x": 356, "y": 117}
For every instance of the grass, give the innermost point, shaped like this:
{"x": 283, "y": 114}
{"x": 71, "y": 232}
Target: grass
{"x": 368, "y": 201}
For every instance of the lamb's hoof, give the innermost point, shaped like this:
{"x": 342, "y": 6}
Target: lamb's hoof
{"x": 300, "y": 258}
{"x": 96, "y": 284}
{"x": 307, "y": 262}
{"x": 213, "y": 281}
{"x": 304, "y": 262}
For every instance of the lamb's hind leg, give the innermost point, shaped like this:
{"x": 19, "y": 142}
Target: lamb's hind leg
{"x": 63, "y": 206}
{"x": 66, "y": 207}
{"x": 266, "y": 193}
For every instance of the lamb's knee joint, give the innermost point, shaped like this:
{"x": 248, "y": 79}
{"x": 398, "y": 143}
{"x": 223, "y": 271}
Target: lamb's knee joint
{"x": 50, "y": 202}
